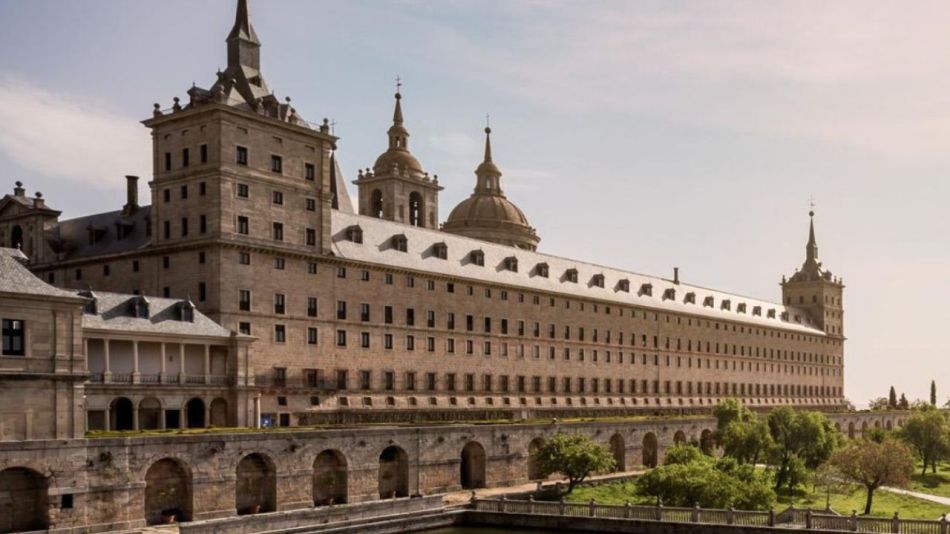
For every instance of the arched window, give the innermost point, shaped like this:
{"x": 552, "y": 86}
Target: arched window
{"x": 415, "y": 209}
{"x": 16, "y": 237}
{"x": 376, "y": 206}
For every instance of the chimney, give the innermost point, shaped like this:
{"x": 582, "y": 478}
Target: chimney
{"x": 676, "y": 275}
{"x": 18, "y": 190}
{"x": 38, "y": 201}
{"x": 131, "y": 195}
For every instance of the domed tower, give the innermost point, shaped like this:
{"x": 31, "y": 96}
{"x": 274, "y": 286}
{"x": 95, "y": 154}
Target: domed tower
{"x": 397, "y": 188}
{"x": 487, "y": 214}
{"x": 815, "y": 290}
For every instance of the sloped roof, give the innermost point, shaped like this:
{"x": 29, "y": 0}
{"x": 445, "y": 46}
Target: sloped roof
{"x": 376, "y": 249}
{"x": 16, "y": 278}
{"x": 114, "y": 311}
{"x": 71, "y": 237}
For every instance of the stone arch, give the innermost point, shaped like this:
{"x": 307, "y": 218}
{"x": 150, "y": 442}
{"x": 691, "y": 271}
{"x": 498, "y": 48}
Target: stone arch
{"x": 376, "y": 204}
{"x": 534, "y": 469}
{"x": 195, "y": 413}
{"x": 706, "y": 442}
{"x": 416, "y": 209}
{"x": 472, "y": 469}
{"x": 679, "y": 438}
{"x": 255, "y": 489}
{"x": 24, "y": 500}
{"x": 838, "y": 427}
{"x": 167, "y": 491}
{"x": 393, "y": 473}
{"x": 16, "y": 237}
{"x": 864, "y": 427}
{"x": 329, "y": 478}
{"x": 121, "y": 414}
{"x": 219, "y": 413}
{"x": 877, "y": 423}
{"x": 650, "y": 450}
{"x": 150, "y": 413}
{"x": 889, "y": 424}
{"x": 851, "y": 429}
{"x": 619, "y": 451}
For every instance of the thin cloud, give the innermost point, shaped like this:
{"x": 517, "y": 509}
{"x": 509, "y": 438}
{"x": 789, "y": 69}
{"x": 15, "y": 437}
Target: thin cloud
{"x": 69, "y": 137}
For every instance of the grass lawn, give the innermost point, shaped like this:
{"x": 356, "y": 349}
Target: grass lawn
{"x": 933, "y": 483}
{"x": 884, "y": 503}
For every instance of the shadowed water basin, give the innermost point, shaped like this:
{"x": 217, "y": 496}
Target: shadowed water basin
{"x": 481, "y": 530}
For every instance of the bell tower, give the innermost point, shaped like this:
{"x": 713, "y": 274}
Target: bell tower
{"x": 397, "y": 188}
{"x": 815, "y": 290}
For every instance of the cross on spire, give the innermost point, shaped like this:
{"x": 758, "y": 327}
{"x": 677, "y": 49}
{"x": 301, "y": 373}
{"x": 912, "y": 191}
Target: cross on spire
{"x": 398, "y": 83}
{"x": 487, "y": 120}
{"x": 811, "y": 204}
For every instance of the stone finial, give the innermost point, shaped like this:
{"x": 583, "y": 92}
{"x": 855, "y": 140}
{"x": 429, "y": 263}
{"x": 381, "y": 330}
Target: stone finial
{"x": 157, "y": 110}
{"x": 18, "y": 190}
{"x": 177, "y": 106}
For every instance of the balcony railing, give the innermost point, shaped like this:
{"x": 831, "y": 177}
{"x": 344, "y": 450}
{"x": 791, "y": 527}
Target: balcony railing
{"x": 319, "y": 384}
{"x": 158, "y": 379}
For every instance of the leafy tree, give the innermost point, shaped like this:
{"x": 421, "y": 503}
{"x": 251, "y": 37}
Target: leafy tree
{"x": 927, "y": 432}
{"x": 730, "y": 410}
{"x": 828, "y": 479}
{"x": 892, "y": 398}
{"x": 747, "y": 442}
{"x": 710, "y": 483}
{"x": 682, "y": 454}
{"x": 933, "y": 392}
{"x": 574, "y": 456}
{"x": 876, "y": 434}
{"x": 802, "y": 440}
{"x": 874, "y": 465}
{"x": 903, "y": 404}
{"x": 880, "y": 404}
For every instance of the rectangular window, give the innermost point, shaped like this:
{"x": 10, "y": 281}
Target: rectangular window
{"x": 388, "y": 314}
{"x": 244, "y": 300}
{"x": 280, "y": 333}
{"x": 278, "y": 231}
{"x": 280, "y": 303}
{"x": 167, "y": 229}
{"x": 202, "y": 188}
{"x": 364, "y": 312}
{"x": 184, "y": 226}
{"x": 168, "y": 161}
{"x": 311, "y": 237}
{"x": 202, "y": 291}
{"x": 341, "y": 310}
{"x": 365, "y": 380}
{"x": 341, "y": 338}
{"x": 204, "y": 153}
{"x": 410, "y": 317}
{"x": 388, "y": 341}
{"x": 241, "y": 155}
{"x": 14, "y": 337}
{"x": 106, "y": 270}
{"x": 311, "y": 336}
{"x": 311, "y": 306}
{"x": 244, "y": 328}
{"x": 202, "y": 224}
{"x": 364, "y": 340}
{"x": 276, "y": 164}
{"x": 243, "y": 190}
{"x": 278, "y": 198}
{"x": 243, "y": 225}
{"x": 185, "y": 157}
{"x": 135, "y": 266}
{"x": 244, "y": 258}
{"x": 309, "y": 171}
{"x": 311, "y": 204}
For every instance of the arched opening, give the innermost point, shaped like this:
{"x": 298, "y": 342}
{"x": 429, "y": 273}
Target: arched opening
{"x": 415, "y": 209}
{"x": 619, "y": 449}
{"x": 393, "y": 473}
{"x": 679, "y": 438}
{"x": 16, "y": 237}
{"x": 167, "y": 492}
{"x": 877, "y": 424}
{"x": 219, "y": 413}
{"x": 706, "y": 442}
{"x": 121, "y": 416}
{"x": 473, "y": 466}
{"x": 150, "y": 414}
{"x": 195, "y": 413}
{"x": 649, "y": 450}
{"x": 838, "y": 427}
{"x": 534, "y": 469}
{"x": 329, "y": 478}
{"x": 24, "y": 500}
{"x": 376, "y": 204}
{"x": 256, "y": 488}
{"x": 888, "y": 425}
{"x": 851, "y": 430}
{"x": 864, "y": 427}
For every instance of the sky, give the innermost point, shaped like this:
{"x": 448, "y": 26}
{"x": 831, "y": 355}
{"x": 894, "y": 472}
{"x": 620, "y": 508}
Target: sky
{"x": 641, "y": 135}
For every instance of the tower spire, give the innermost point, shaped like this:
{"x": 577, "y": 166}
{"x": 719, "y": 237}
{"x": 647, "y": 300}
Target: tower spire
{"x": 243, "y": 44}
{"x": 489, "y": 175}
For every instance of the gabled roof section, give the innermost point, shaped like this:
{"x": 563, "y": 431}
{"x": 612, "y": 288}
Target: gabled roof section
{"x": 459, "y": 265}
{"x": 100, "y": 234}
{"x": 117, "y": 312}
{"x": 16, "y": 278}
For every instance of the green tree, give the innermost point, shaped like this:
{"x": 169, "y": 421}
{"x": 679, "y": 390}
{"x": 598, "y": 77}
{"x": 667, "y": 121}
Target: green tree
{"x": 707, "y": 482}
{"x": 933, "y": 392}
{"x": 892, "y": 398}
{"x": 880, "y": 404}
{"x": 927, "y": 432}
{"x": 903, "y": 404}
{"x": 682, "y": 454}
{"x": 747, "y": 442}
{"x": 874, "y": 465}
{"x": 730, "y": 410}
{"x": 575, "y": 456}
{"x": 802, "y": 440}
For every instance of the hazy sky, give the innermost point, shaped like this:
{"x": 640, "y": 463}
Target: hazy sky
{"x": 642, "y": 135}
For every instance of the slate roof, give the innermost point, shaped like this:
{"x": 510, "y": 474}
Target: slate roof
{"x": 16, "y": 278}
{"x": 71, "y": 237}
{"x": 644, "y": 291}
{"x": 115, "y": 312}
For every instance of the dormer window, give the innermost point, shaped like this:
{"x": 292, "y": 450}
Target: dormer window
{"x": 669, "y": 294}
{"x": 400, "y": 242}
{"x": 477, "y": 257}
{"x": 646, "y": 289}
{"x": 798, "y": 319}
{"x": 354, "y": 234}
{"x": 440, "y": 250}
{"x": 597, "y": 280}
{"x": 140, "y": 307}
{"x": 92, "y": 306}
{"x": 709, "y": 302}
{"x": 771, "y": 313}
{"x": 570, "y": 275}
{"x": 542, "y": 270}
{"x": 785, "y": 316}
{"x": 740, "y": 308}
{"x": 96, "y": 234}
{"x": 757, "y": 311}
{"x": 726, "y": 305}
{"x": 623, "y": 285}
{"x": 186, "y": 311}
{"x": 690, "y": 298}
{"x": 511, "y": 264}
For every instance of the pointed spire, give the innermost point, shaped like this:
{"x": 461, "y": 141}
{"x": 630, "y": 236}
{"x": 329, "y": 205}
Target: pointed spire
{"x": 242, "y": 24}
{"x": 487, "y": 144}
{"x": 811, "y": 249}
{"x": 397, "y": 113}
{"x": 243, "y": 46}
{"x": 489, "y": 175}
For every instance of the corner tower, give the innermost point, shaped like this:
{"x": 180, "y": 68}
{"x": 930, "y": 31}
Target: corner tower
{"x": 814, "y": 289}
{"x": 487, "y": 214}
{"x": 397, "y": 188}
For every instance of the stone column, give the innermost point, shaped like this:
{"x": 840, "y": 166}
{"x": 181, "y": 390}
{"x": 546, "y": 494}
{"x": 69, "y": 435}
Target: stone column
{"x": 161, "y": 418}
{"x": 135, "y": 417}
{"x": 135, "y": 362}
{"x": 207, "y": 364}
{"x": 257, "y": 411}
{"x": 181, "y": 363}
{"x": 163, "y": 371}
{"x": 107, "y": 374}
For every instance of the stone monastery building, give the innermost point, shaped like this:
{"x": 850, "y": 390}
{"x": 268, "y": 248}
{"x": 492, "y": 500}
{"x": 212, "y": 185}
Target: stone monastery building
{"x": 310, "y": 311}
